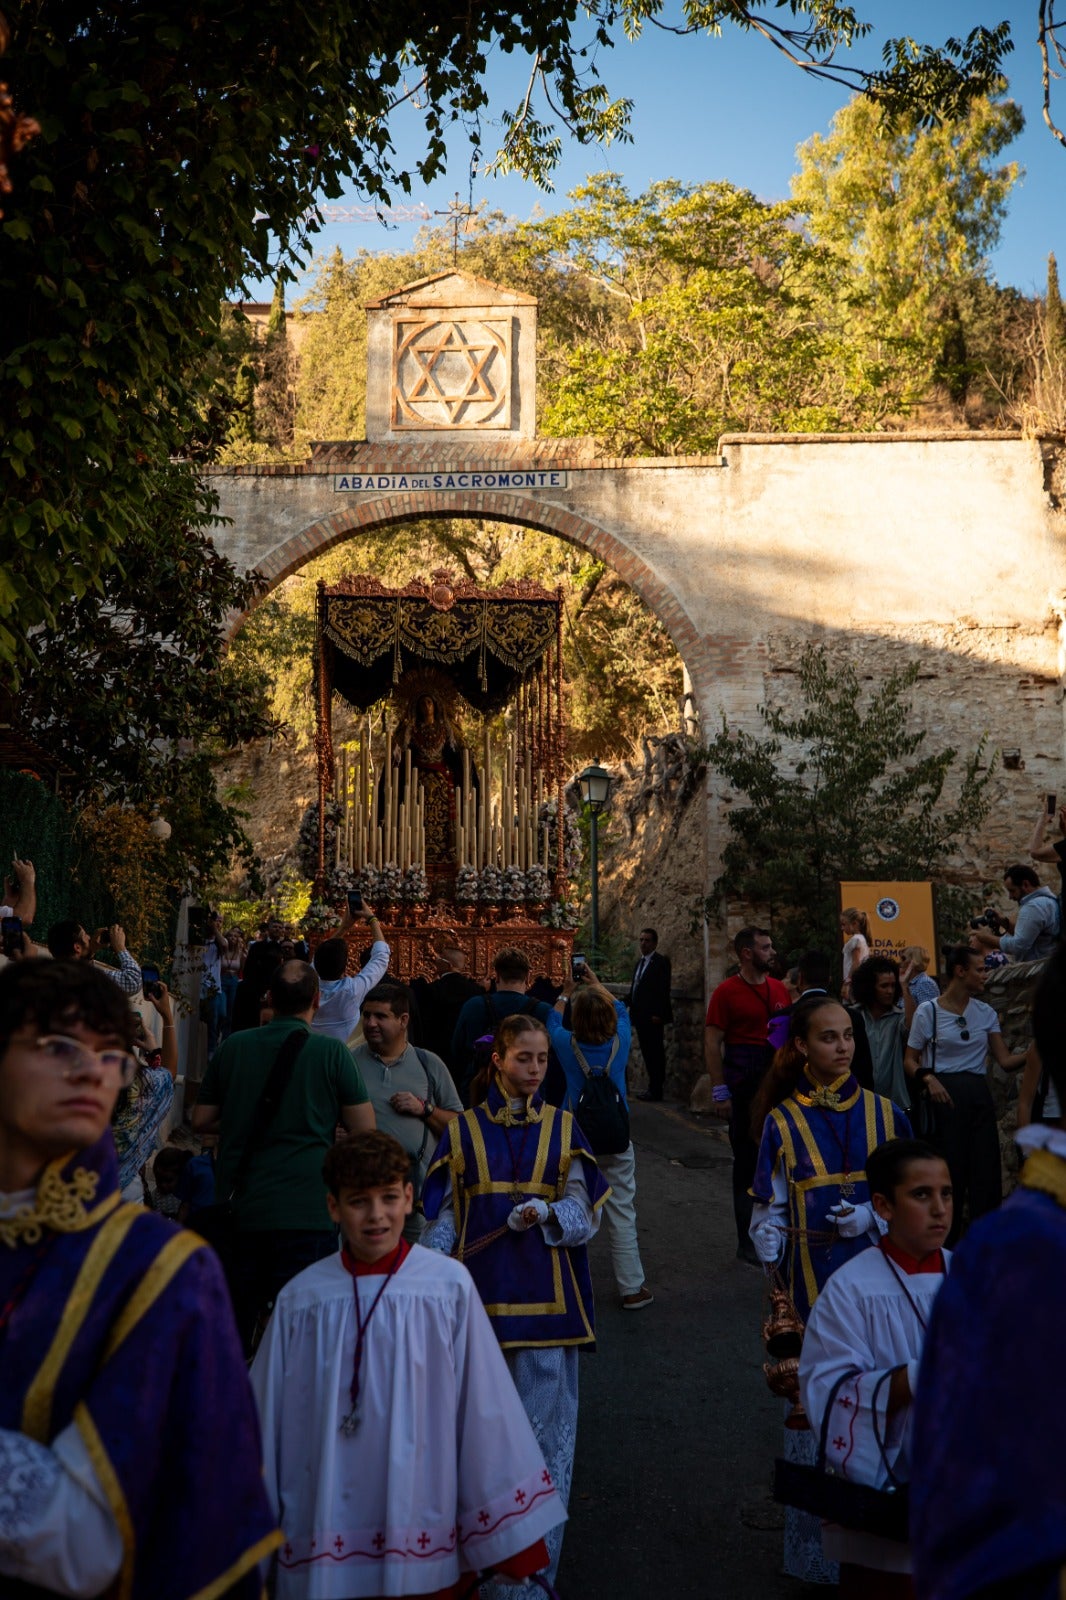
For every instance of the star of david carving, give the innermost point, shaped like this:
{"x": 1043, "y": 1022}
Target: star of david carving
{"x": 451, "y": 374}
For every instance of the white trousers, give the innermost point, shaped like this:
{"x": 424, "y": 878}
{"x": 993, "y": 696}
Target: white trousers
{"x": 620, "y": 1212}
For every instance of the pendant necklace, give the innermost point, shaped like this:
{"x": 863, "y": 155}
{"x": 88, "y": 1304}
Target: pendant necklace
{"x": 847, "y": 1187}
{"x": 902, "y": 1283}
{"x": 350, "y": 1423}
{"x": 516, "y": 1162}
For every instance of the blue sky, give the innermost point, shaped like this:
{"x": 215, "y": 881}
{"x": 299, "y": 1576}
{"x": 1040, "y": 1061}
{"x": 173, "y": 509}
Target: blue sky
{"x": 732, "y": 108}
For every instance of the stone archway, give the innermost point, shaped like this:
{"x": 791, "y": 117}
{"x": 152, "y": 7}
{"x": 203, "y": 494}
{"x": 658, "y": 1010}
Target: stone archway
{"x": 946, "y": 549}
{"x": 299, "y": 548}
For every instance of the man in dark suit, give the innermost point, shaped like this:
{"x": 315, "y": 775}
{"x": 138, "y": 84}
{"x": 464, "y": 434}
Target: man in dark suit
{"x": 650, "y": 1010}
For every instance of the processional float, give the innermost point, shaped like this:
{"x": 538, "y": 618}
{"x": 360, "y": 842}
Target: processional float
{"x": 445, "y": 810}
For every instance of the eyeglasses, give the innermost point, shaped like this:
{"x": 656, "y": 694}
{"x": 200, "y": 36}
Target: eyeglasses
{"x": 965, "y": 1034}
{"x": 69, "y": 1058}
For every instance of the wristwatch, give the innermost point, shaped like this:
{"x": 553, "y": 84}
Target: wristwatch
{"x": 429, "y": 1110}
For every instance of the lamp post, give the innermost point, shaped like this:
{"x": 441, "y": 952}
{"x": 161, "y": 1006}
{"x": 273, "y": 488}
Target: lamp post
{"x": 595, "y": 786}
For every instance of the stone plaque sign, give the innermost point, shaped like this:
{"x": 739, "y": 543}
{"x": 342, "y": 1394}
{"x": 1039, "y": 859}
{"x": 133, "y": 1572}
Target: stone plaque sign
{"x": 451, "y": 354}
{"x": 409, "y": 482}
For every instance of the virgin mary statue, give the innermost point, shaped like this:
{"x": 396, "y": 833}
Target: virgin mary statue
{"x": 437, "y": 757}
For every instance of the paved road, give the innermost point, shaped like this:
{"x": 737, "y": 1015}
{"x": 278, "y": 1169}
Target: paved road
{"x": 678, "y": 1430}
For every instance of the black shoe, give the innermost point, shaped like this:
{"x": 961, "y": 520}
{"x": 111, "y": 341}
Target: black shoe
{"x": 646, "y": 1094}
{"x": 747, "y": 1254}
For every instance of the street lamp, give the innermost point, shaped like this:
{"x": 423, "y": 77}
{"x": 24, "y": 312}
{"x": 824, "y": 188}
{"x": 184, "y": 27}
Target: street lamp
{"x": 595, "y": 786}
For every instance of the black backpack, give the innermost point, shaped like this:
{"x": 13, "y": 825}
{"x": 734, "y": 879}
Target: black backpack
{"x": 601, "y": 1112}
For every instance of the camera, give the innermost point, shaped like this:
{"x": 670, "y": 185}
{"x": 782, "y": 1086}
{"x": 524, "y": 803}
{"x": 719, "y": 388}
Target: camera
{"x": 103, "y": 938}
{"x": 355, "y": 901}
{"x": 577, "y": 968}
{"x": 150, "y": 983}
{"x": 990, "y": 919}
{"x": 12, "y": 937}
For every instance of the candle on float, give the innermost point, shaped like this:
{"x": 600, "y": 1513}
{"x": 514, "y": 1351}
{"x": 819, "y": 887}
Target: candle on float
{"x": 486, "y": 790}
{"x": 390, "y": 802}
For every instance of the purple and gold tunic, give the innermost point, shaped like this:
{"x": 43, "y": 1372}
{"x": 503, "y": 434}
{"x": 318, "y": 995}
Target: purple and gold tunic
{"x": 818, "y": 1141}
{"x": 536, "y": 1294}
{"x": 121, "y": 1324}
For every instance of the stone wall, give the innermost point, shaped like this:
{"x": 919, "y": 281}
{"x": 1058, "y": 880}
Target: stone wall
{"x": 948, "y": 549}
{"x": 653, "y": 868}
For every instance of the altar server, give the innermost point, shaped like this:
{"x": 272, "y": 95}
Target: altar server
{"x": 514, "y": 1192}
{"x": 398, "y": 1455}
{"x": 862, "y": 1348}
{"x": 129, "y": 1447}
{"x": 812, "y": 1210}
{"x": 817, "y": 1127}
{"x": 988, "y": 1484}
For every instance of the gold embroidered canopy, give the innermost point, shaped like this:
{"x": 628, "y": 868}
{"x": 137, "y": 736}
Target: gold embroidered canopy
{"x": 490, "y": 640}
{"x": 424, "y": 646}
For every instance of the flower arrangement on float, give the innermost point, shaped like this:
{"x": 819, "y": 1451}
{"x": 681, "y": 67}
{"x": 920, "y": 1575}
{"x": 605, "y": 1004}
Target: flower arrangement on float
{"x": 561, "y": 914}
{"x": 466, "y": 884}
{"x": 513, "y": 888}
{"x": 339, "y": 881}
{"x": 538, "y": 886}
{"x": 573, "y": 845}
{"x": 307, "y": 838}
{"x": 490, "y": 884}
{"x": 415, "y": 888}
{"x": 320, "y": 917}
{"x": 389, "y": 883}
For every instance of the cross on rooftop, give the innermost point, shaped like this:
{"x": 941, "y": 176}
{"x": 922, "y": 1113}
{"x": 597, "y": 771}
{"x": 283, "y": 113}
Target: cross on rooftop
{"x": 456, "y": 212}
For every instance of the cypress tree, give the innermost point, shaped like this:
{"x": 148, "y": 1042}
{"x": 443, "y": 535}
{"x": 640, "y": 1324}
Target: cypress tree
{"x": 1054, "y": 312}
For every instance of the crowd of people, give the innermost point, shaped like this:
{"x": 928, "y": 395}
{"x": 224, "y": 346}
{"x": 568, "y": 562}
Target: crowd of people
{"x": 865, "y": 1145}
{"x": 388, "y": 1222}
{"x": 335, "y": 1149}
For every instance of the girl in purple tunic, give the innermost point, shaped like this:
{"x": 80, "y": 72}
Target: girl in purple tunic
{"x": 515, "y": 1194}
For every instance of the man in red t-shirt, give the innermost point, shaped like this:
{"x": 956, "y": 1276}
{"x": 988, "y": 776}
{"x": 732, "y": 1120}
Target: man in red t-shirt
{"x": 737, "y": 1055}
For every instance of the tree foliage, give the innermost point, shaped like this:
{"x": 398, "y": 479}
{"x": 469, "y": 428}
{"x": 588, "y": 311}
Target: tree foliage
{"x": 911, "y": 213}
{"x": 132, "y": 686}
{"x": 841, "y": 789}
{"x": 702, "y": 310}
{"x": 182, "y": 152}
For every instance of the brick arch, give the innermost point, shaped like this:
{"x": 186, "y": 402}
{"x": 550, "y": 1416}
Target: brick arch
{"x": 365, "y": 515}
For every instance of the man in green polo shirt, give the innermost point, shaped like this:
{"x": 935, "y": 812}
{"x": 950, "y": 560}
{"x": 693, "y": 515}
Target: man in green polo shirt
{"x": 282, "y": 1224}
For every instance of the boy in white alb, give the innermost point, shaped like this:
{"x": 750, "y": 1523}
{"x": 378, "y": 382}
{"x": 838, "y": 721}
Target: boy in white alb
{"x": 398, "y": 1456}
{"x": 862, "y": 1347}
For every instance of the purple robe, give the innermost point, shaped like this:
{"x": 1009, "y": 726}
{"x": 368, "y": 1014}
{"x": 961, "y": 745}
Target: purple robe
{"x": 819, "y": 1148}
{"x": 988, "y": 1474}
{"x": 123, "y": 1326}
{"x": 534, "y": 1293}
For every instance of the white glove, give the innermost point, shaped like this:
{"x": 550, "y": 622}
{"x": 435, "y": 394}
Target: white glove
{"x": 518, "y": 1217}
{"x": 769, "y": 1242}
{"x": 852, "y": 1222}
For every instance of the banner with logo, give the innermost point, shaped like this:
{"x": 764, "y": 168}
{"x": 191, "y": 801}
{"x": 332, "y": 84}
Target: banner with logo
{"x": 899, "y": 914}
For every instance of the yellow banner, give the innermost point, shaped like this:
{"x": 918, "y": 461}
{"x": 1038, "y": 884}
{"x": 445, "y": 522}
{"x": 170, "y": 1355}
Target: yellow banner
{"x": 899, "y": 914}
